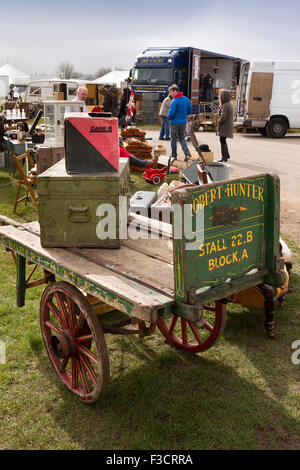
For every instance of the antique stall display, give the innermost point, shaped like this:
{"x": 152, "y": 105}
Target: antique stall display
{"x": 134, "y": 141}
{"x": 179, "y": 282}
{"x": 17, "y": 110}
{"x": 138, "y": 148}
{"x": 133, "y": 131}
{"x": 54, "y": 115}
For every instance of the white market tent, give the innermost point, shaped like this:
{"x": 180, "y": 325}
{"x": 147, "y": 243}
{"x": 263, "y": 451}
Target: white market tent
{"x": 116, "y": 77}
{"x": 15, "y": 76}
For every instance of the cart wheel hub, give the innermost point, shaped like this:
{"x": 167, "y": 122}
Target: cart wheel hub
{"x": 64, "y": 344}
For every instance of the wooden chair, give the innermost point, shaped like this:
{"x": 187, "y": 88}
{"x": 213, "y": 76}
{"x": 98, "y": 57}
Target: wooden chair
{"x": 28, "y": 181}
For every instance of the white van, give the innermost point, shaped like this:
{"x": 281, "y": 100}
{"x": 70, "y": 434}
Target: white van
{"x": 44, "y": 90}
{"x": 269, "y": 96}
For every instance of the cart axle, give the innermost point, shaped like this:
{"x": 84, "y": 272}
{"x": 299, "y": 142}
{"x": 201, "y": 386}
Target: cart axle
{"x": 64, "y": 344}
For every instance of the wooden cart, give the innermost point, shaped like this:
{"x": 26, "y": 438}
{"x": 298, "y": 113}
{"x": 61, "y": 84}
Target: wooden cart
{"x": 223, "y": 243}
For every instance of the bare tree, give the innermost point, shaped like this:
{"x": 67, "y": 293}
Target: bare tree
{"x": 66, "y": 69}
{"x": 102, "y": 71}
{"x": 78, "y": 75}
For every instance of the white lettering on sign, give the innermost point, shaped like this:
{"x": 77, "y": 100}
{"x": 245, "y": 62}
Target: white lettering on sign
{"x": 196, "y": 67}
{"x": 106, "y": 227}
{"x": 123, "y": 210}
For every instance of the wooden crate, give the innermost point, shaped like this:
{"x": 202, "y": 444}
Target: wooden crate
{"x": 208, "y": 156}
{"x": 47, "y": 157}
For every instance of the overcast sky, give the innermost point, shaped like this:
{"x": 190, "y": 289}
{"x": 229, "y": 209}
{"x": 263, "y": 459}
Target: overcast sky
{"x": 37, "y": 35}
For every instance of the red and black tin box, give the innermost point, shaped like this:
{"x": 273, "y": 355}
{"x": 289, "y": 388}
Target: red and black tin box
{"x": 91, "y": 144}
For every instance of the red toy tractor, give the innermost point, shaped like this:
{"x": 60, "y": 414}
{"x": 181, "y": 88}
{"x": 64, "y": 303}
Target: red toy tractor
{"x": 158, "y": 175}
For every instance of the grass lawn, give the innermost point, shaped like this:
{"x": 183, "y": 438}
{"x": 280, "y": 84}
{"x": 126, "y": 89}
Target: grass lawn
{"x": 150, "y": 127}
{"x": 243, "y": 393}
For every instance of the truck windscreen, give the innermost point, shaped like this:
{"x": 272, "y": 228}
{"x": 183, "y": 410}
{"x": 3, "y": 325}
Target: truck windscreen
{"x": 152, "y": 76}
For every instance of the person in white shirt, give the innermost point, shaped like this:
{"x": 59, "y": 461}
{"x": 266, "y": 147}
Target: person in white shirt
{"x": 81, "y": 95}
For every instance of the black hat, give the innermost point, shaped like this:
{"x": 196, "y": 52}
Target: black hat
{"x": 204, "y": 148}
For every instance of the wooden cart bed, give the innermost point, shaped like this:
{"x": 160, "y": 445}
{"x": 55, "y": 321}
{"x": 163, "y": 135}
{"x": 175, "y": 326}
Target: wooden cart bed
{"x": 136, "y": 279}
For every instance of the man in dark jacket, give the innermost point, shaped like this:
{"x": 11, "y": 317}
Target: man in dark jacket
{"x": 180, "y": 108}
{"x": 2, "y": 133}
{"x": 208, "y": 87}
{"x": 123, "y": 107}
{"x": 225, "y": 123}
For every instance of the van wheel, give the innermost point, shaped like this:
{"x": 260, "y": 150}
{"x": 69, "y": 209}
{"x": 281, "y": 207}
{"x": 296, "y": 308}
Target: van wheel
{"x": 276, "y": 128}
{"x": 262, "y": 130}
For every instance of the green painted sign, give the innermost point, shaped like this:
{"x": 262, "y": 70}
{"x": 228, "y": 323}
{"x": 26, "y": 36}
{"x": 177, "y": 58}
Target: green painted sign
{"x": 234, "y": 230}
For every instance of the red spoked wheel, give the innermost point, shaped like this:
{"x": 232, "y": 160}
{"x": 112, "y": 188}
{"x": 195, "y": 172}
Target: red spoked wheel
{"x": 195, "y": 337}
{"x": 74, "y": 341}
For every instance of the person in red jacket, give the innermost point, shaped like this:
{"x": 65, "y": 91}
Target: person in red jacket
{"x": 179, "y": 109}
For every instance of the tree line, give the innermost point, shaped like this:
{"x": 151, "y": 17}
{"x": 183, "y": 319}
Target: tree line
{"x": 67, "y": 70}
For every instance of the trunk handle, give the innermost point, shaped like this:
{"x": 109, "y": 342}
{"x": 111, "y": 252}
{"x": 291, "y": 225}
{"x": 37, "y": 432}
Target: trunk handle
{"x": 79, "y": 214}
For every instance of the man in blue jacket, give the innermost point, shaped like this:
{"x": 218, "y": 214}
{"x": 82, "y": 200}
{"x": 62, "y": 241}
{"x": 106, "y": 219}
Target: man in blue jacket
{"x": 180, "y": 108}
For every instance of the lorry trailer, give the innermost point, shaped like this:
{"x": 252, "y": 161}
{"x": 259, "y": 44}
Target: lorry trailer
{"x": 159, "y": 67}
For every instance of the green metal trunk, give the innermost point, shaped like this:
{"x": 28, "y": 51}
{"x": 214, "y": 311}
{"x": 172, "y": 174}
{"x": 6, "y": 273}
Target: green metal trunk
{"x": 83, "y": 210}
